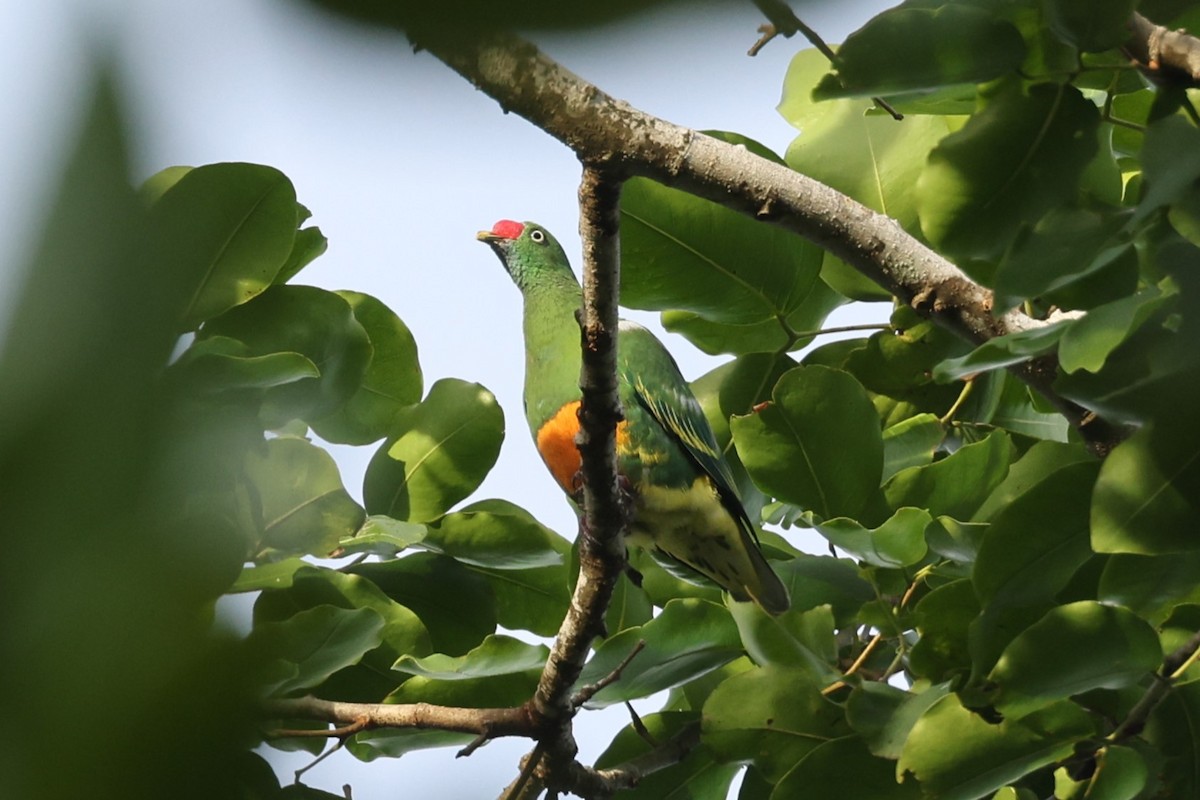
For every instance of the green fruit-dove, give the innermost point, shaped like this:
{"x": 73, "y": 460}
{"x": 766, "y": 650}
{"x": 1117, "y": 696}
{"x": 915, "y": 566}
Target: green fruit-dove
{"x": 684, "y": 503}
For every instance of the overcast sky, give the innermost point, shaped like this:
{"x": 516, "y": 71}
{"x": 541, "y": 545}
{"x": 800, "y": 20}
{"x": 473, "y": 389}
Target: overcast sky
{"x": 401, "y": 162}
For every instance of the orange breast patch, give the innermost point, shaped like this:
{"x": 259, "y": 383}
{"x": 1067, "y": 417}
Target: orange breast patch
{"x": 556, "y": 443}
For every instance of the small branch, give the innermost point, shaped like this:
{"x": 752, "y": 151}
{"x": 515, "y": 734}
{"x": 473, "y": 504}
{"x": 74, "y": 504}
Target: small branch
{"x": 589, "y": 691}
{"x": 298, "y": 774}
{"x": 853, "y": 668}
{"x": 1164, "y": 680}
{"x": 1165, "y": 55}
{"x": 356, "y": 717}
{"x": 518, "y": 788}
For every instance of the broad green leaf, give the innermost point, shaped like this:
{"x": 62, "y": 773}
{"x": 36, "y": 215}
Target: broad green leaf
{"x": 766, "y": 336}
{"x": 305, "y": 508}
{"x": 1095, "y": 647}
{"x": 1019, "y": 410}
{"x": 1038, "y": 462}
{"x": 396, "y": 742}
{"x": 944, "y": 617}
{"x": 770, "y": 716}
{"x": 822, "y": 775}
{"x": 697, "y": 777}
{"x": 823, "y": 580}
{"x": 157, "y": 184}
{"x": 1147, "y": 498}
{"x": 438, "y": 453}
{"x": 956, "y": 755}
{"x": 799, "y": 639}
{"x": 1003, "y": 351}
{"x": 688, "y": 639}
{"x": 454, "y": 603}
{"x": 1088, "y": 343}
{"x": 1171, "y": 164}
{"x": 911, "y": 443}
{"x": 884, "y": 715}
{"x": 313, "y": 322}
{"x": 495, "y": 655}
{"x": 629, "y": 606}
{"x": 1020, "y": 155}
{"x": 958, "y": 541}
{"x": 391, "y": 382}
{"x": 231, "y": 226}
{"x": 382, "y": 536}
{"x": 899, "y": 542}
{"x": 1170, "y": 730}
{"x": 498, "y": 535}
{"x": 274, "y": 575}
{"x": 1121, "y": 774}
{"x": 869, "y": 157}
{"x": 534, "y": 600}
{"x": 1090, "y": 25}
{"x": 311, "y": 645}
{"x": 218, "y": 364}
{"x": 906, "y": 49}
{"x": 817, "y": 444}
{"x": 956, "y": 485}
{"x": 1151, "y": 586}
{"x": 310, "y": 244}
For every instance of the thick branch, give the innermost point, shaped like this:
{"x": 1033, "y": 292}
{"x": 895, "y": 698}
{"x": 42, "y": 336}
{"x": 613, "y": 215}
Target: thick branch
{"x": 601, "y": 129}
{"x": 491, "y": 722}
{"x": 1172, "y": 55}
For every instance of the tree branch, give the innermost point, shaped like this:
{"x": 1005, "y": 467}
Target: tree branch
{"x": 1172, "y": 56}
{"x": 1164, "y": 680}
{"x": 601, "y": 129}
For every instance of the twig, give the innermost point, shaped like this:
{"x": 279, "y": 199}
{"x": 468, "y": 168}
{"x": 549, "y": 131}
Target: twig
{"x": 528, "y": 765}
{"x": 588, "y": 691}
{"x": 298, "y": 774}
{"x": 853, "y": 668}
{"x": 496, "y": 722}
{"x": 1164, "y": 680}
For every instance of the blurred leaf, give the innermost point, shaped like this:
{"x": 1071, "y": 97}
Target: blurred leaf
{"x": 911, "y": 443}
{"x": 438, "y": 453}
{"x": 232, "y": 226}
{"x": 305, "y": 508}
{"x": 1020, "y": 155}
{"x": 1003, "y": 351}
{"x": 822, "y": 775}
{"x": 496, "y": 534}
{"x": 883, "y": 715}
{"x": 1170, "y": 162}
{"x": 1095, "y": 646}
{"x": 300, "y": 319}
{"x": 817, "y": 444}
{"x": 218, "y": 364}
{"x": 899, "y": 542}
{"x": 274, "y": 575}
{"x": 391, "y": 382}
{"x": 956, "y": 755}
{"x": 1090, "y": 25}
{"x": 697, "y": 777}
{"x": 956, "y": 485}
{"x": 495, "y": 655}
{"x": 313, "y": 644}
{"x": 906, "y": 49}
{"x": 770, "y": 716}
{"x": 1147, "y": 494}
{"x": 686, "y": 640}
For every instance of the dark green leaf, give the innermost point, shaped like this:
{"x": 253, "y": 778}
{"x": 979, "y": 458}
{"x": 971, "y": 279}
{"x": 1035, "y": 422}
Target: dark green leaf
{"x": 1151, "y": 586}
{"x": 1003, "y": 351}
{"x": 822, "y": 775}
{"x": 1095, "y": 646}
{"x": 1170, "y": 730}
{"x": 1038, "y": 462}
{"x": 1088, "y": 343}
{"x": 439, "y": 453}
{"x": 1020, "y": 155}
{"x": 697, "y": 777}
{"x": 906, "y": 49}
{"x": 958, "y": 541}
{"x": 231, "y": 226}
{"x": 1121, "y": 774}
{"x": 956, "y": 485}
{"x": 688, "y": 639}
{"x": 311, "y": 645}
{"x": 911, "y": 443}
{"x": 943, "y": 618}
{"x": 495, "y": 655}
{"x": 1090, "y": 25}
{"x": 305, "y": 508}
{"x": 498, "y": 535}
{"x": 883, "y": 715}
{"x": 819, "y": 580}
{"x": 392, "y": 381}
{"x": 1171, "y": 164}
{"x": 532, "y": 600}
{"x": 817, "y": 444}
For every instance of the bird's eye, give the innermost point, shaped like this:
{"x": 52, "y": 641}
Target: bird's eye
{"x": 537, "y": 236}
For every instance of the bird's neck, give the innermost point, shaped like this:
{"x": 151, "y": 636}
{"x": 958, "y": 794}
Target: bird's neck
{"x": 552, "y": 356}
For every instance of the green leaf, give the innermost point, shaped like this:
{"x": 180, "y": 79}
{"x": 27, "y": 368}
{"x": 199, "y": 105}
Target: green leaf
{"x": 911, "y": 443}
{"x": 312, "y": 322}
{"x": 1020, "y": 155}
{"x": 382, "y": 536}
{"x": 958, "y": 541}
{"x": 1018, "y": 410}
{"x": 1170, "y": 731}
{"x": 1151, "y": 586}
{"x": 305, "y": 508}
{"x": 1121, "y": 774}
{"x": 956, "y": 485}
{"x": 817, "y": 444}
{"x": 688, "y": 639}
{"x": 697, "y": 777}
{"x": 1170, "y": 163}
{"x": 799, "y": 639}
{"x": 495, "y": 655}
{"x": 1147, "y": 494}
{"x": 275, "y": 575}
{"x": 770, "y": 716}
{"x": 1003, "y": 351}
{"x": 219, "y": 364}
{"x": 823, "y": 580}
{"x": 1090, "y": 25}
{"x": 310, "y": 244}
{"x": 312, "y": 645}
{"x": 534, "y": 600}
{"x": 822, "y": 775}
{"x": 498, "y": 535}
{"x": 906, "y": 49}
{"x": 1038, "y": 462}
{"x": 944, "y": 618}
{"x": 438, "y": 454}
{"x": 391, "y": 382}
{"x": 231, "y": 226}
{"x": 884, "y": 715}
{"x": 956, "y": 755}
{"x": 1095, "y": 647}
{"x": 1088, "y": 343}
{"x": 899, "y": 542}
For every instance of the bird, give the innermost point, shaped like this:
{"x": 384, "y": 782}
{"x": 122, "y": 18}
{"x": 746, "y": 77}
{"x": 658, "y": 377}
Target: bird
{"x": 683, "y": 501}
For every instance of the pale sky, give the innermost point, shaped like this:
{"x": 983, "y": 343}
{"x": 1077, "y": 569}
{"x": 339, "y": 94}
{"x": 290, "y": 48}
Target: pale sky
{"x": 401, "y": 162}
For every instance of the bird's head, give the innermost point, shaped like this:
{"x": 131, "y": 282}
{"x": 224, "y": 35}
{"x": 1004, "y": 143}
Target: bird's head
{"x": 530, "y": 254}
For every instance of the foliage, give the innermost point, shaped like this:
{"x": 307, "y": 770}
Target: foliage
{"x": 996, "y": 601}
